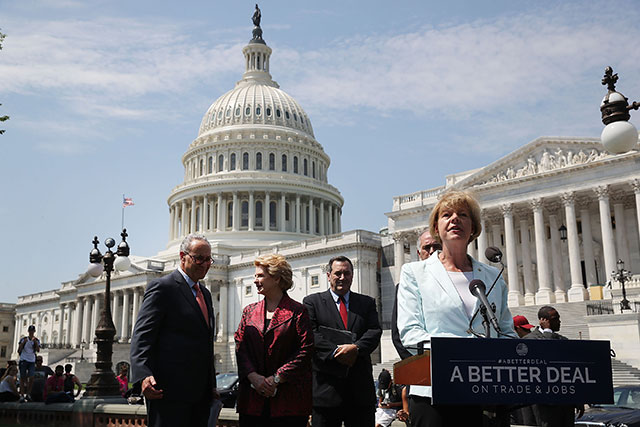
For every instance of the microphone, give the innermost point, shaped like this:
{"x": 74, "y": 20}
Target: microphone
{"x": 493, "y": 254}
{"x": 478, "y": 289}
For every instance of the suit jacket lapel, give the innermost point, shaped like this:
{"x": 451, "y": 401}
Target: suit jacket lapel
{"x": 351, "y": 313}
{"x": 187, "y": 293}
{"x": 332, "y": 309}
{"x": 282, "y": 313}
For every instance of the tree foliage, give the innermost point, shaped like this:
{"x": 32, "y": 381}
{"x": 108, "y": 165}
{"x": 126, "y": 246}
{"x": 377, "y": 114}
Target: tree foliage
{"x": 2, "y": 118}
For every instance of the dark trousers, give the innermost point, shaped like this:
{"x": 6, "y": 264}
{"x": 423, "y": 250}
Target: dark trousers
{"x": 253, "y": 421}
{"x": 352, "y": 416}
{"x": 423, "y": 414}
{"x": 168, "y": 413}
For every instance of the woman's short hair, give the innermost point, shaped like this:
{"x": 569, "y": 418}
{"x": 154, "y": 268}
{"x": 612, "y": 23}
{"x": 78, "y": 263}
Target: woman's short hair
{"x": 456, "y": 200}
{"x": 277, "y": 267}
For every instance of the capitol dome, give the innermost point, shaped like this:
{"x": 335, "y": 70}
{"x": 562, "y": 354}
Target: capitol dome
{"x": 255, "y": 175}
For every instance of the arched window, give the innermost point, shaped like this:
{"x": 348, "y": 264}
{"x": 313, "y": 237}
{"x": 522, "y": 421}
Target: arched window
{"x": 313, "y": 169}
{"x": 238, "y": 110}
{"x": 286, "y": 211}
{"x": 305, "y": 168}
{"x": 258, "y": 110}
{"x": 232, "y": 166}
{"x": 230, "y": 214}
{"x": 268, "y": 111}
{"x": 201, "y": 167}
{"x": 244, "y": 220}
{"x": 273, "y": 215}
{"x": 210, "y": 165}
{"x": 220, "y": 163}
{"x": 259, "y": 214}
{"x": 295, "y": 164}
{"x": 272, "y": 162}
{"x": 316, "y": 221}
{"x": 245, "y": 161}
{"x": 258, "y": 161}
{"x": 306, "y": 217}
{"x": 284, "y": 163}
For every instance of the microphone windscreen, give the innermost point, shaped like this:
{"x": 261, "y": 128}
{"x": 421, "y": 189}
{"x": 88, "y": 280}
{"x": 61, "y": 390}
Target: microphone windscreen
{"x": 477, "y": 286}
{"x": 493, "y": 254}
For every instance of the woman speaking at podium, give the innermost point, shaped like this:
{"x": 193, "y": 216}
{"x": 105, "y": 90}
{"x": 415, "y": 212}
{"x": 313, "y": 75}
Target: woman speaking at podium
{"x": 434, "y": 300}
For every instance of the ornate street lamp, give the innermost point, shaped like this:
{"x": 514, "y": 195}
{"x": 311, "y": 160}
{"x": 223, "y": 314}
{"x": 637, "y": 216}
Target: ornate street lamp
{"x": 618, "y": 135}
{"x": 563, "y": 233}
{"x": 103, "y": 381}
{"x": 622, "y": 276}
{"x": 82, "y": 351}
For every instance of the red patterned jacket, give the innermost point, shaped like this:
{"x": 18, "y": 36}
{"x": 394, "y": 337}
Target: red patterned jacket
{"x": 285, "y": 348}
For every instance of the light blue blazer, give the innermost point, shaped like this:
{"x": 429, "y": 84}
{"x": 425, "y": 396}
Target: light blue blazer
{"x": 429, "y": 305}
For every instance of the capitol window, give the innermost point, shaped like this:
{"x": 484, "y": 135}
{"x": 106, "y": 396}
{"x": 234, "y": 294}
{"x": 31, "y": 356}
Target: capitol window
{"x": 210, "y": 165}
{"x": 238, "y": 110}
{"x": 245, "y": 214}
{"x": 305, "y": 168}
{"x": 258, "y": 161}
{"x": 278, "y": 113}
{"x": 268, "y": 111}
{"x": 220, "y": 163}
{"x": 284, "y": 163}
{"x": 286, "y": 114}
{"x": 258, "y": 110}
{"x": 232, "y": 166}
{"x": 247, "y": 111}
{"x": 245, "y": 161}
{"x": 272, "y": 161}
{"x": 259, "y": 213}
{"x": 295, "y": 164}
{"x": 272, "y": 215}
{"x": 315, "y": 281}
{"x": 230, "y": 214}
{"x": 301, "y": 120}
{"x": 313, "y": 169}
{"x": 247, "y": 290}
{"x": 201, "y": 167}
{"x": 295, "y": 117}
{"x": 229, "y": 112}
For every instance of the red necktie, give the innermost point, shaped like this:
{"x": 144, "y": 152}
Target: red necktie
{"x": 343, "y": 310}
{"x": 201, "y": 303}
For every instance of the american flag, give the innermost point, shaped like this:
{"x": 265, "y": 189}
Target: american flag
{"x": 127, "y": 201}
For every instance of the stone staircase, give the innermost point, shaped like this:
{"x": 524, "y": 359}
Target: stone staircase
{"x": 574, "y": 326}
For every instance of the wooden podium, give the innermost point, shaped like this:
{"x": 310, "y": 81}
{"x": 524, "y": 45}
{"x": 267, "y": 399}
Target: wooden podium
{"x": 415, "y": 370}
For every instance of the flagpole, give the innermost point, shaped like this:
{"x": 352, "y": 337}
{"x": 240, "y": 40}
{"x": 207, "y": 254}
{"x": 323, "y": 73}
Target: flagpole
{"x": 122, "y": 228}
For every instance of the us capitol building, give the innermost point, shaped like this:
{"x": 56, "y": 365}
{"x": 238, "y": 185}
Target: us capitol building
{"x": 256, "y": 181}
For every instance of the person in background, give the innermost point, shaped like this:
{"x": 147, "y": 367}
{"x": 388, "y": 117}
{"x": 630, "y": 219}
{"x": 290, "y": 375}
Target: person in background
{"x": 71, "y": 381}
{"x": 40, "y": 376}
{"x": 389, "y": 399}
{"x": 274, "y": 343}
{"x": 123, "y": 380}
{"x": 8, "y": 388}
{"x": 521, "y": 326}
{"x": 54, "y": 387}
{"x": 27, "y": 348}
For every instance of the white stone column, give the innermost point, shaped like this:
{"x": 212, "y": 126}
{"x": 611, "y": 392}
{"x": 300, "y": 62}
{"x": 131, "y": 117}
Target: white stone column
{"x": 126, "y": 331}
{"x": 587, "y": 241}
{"x": 224, "y": 311}
{"x": 321, "y": 218}
{"x": 577, "y": 292}
{"x": 515, "y": 297}
{"x": 221, "y": 220}
{"x": 635, "y": 184}
{"x": 192, "y": 222}
{"x": 312, "y": 217}
{"x": 234, "y": 214}
{"x": 183, "y": 226}
{"x": 482, "y": 240}
{"x": 86, "y": 321}
{"x": 529, "y": 285}
{"x": 556, "y": 255}
{"x": 398, "y": 254}
{"x": 117, "y": 313}
{"x": 496, "y": 230}
{"x": 283, "y": 214}
{"x": 608, "y": 246}
{"x": 267, "y": 212}
{"x": 252, "y": 211}
{"x": 204, "y": 214}
{"x": 412, "y": 237}
{"x": 61, "y": 322}
{"x": 77, "y": 333}
{"x": 71, "y": 307}
{"x": 16, "y": 333}
{"x": 339, "y": 216}
{"x": 297, "y": 213}
{"x": 544, "y": 295}
{"x": 170, "y": 223}
{"x": 136, "y": 307}
{"x": 622, "y": 247}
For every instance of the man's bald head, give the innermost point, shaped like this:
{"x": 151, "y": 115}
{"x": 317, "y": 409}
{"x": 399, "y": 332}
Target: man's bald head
{"x": 427, "y": 245}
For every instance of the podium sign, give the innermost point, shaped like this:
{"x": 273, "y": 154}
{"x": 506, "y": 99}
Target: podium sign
{"x": 505, "y": 371}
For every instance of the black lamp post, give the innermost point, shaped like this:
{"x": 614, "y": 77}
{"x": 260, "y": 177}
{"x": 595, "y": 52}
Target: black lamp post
{"x": 563, "y": 233}
{"x": 622, "y": 276}
{"x": 82, "y": 351}
{"x": 618, "y": 136}
{"x": 103, "y": 381}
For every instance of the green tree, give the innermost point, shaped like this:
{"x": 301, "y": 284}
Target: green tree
{"x": 2, "y": 118}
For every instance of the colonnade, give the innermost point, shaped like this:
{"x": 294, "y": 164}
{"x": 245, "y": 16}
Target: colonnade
{"x": 541, "y": 266}
{"x": 254, "y": 210}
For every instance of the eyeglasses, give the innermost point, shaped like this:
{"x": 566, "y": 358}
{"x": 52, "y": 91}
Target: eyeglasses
{"x": 200, "y": 259}
{"x": 432, "y": 248}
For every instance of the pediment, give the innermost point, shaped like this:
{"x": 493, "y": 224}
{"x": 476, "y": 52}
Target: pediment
{"x": 539, "y": 157}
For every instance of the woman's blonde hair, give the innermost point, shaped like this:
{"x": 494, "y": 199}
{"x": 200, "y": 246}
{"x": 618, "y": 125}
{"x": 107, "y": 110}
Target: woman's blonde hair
{"x": 278, "y": 268}
{"x": 456, "y": 200}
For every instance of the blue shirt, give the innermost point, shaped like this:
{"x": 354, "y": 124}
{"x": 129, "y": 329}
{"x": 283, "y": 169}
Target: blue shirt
{"x": 189, "y": 281}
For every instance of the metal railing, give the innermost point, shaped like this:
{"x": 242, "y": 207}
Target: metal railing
{"x": 597, "y": 308}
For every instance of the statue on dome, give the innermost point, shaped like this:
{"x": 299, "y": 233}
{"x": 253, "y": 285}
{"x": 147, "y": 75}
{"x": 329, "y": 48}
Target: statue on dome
{"x": 257, "y": 31}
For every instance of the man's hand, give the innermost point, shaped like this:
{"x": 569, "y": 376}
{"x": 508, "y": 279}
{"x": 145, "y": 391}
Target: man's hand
{"x": 346, "y": 354}
{"x": 149, "y": 389}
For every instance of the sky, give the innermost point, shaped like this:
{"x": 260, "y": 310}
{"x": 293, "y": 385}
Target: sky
{"x": 105, "y": 96}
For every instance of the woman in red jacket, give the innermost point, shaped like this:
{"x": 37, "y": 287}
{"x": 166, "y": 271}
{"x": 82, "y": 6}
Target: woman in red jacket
{"x": 274, "y": 344}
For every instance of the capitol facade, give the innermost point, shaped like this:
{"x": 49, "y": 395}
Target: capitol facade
{"x": 256, "y": 181}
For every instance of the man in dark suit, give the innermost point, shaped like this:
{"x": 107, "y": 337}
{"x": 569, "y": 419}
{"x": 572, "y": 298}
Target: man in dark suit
{"x": 172, "y": 344}
{"x": 346, "y": 331}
